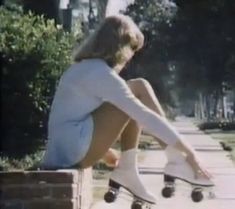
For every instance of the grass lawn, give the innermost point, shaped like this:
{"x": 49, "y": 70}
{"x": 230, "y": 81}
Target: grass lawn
{"x": 228, "y": 137}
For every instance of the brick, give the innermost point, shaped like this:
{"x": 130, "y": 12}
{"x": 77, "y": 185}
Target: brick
{"x": 8, "y": 177}
{"x": 51, "y": 204}
{"x": 64, "y": 191}
{"x": 22, "y": 177}
{"x": 25, "y": 192}
{"x": 11, "y": 205}
{"x": 60, "y": 189}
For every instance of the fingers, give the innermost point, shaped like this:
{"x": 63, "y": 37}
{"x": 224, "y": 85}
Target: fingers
{"x": 203, "y": 172}
{"x": 199, "y": 169}
{"x": 111, "y": 158}
{"x": 207, "y": 173}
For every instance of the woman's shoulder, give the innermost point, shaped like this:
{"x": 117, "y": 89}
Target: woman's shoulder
{"x": 96, "y": 62}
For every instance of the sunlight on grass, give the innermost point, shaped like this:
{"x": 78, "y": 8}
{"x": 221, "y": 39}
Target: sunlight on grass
{"x": 228, "y": 137}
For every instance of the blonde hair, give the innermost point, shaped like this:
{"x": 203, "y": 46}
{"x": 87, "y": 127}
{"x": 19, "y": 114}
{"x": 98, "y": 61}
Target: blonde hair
{"x": 115, "y": 41}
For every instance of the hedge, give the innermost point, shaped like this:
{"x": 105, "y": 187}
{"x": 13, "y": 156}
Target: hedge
{"x": 34, "y": 53}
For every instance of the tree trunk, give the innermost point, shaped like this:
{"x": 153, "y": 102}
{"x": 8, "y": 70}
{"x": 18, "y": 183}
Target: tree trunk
{"x": 197, "y": 110}
{"x": 215, "y": 109}
{"x": 224, "y": 103}
{"x": 101, "y": 6}
{"x": 234, "y": 105}
{"x": 201, "y": 106}
{"x": 224, "y": 106}
{"x": 208, "y": 107}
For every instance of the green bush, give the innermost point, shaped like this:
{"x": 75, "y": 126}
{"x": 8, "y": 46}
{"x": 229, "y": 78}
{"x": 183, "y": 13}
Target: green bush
{"x": 34, "y": 53}
{"x": 223, "y": 125}
{"x": 28, "y": 162}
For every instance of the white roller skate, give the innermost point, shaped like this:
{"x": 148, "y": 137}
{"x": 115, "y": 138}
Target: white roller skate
{"x": 178, "y": 168}
{"x": 126, "y": 175}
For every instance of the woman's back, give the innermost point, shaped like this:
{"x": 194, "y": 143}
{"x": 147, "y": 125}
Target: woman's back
{"x": 72, "y": 102}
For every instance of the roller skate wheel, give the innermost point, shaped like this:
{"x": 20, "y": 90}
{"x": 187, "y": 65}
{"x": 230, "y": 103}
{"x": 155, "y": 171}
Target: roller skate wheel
{"x": 167, "y": 192}
{"x": 136, "y": 205}
{"x": 110, "y": 196}
{"x": 211, "y": 195}
{"x": 197, "y": 196}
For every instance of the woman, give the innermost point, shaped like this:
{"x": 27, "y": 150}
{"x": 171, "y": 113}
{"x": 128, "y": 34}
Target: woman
{"x": 93, "y": 107}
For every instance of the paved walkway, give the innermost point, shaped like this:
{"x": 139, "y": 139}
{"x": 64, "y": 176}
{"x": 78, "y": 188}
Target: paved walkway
{"x": 153, "y": 161}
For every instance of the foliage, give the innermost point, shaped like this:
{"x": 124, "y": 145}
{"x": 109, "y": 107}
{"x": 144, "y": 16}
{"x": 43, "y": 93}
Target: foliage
{"x": 152, "y": 62}
{"x": 205, "y": 44}
{"x": 34, "y": 53}
{"x": 223, "y": 125}
{"x": 48, "y": 8}
{"x": 28, "y": 162}
{"x": 189, "y": 47}
{"x": 204, "y": 51}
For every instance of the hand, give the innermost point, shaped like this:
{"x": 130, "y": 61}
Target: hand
{"x": 198, "y": 167}
{"x": 111, "y": 158}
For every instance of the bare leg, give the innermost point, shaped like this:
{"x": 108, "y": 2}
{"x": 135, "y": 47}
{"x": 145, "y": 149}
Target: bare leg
{"x": 131, "y": 131}
{"x": 110, "y": 123}
{"x": 144, "y": 92}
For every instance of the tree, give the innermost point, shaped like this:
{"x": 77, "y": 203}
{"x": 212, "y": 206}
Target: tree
{"x": 152, "y": 62}
{"x": 48, "y": 8}
{"x": 191, "y": 45}
{"x": 34, "y": 54}
{"x": 204, "y": 35}
{"x": 101, "y": 7}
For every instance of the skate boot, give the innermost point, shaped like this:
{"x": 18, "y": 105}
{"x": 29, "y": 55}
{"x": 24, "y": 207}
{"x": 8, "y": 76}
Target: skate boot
{"x": 178, "y": 168}
{"x": 126, "y": 175}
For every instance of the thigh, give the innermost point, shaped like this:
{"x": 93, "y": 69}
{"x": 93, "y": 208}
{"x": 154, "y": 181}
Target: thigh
{"x": 109, "y": 122}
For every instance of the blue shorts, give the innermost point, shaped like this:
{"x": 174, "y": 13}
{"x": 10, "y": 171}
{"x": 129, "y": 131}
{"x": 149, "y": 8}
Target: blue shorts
{"x": 68, "y": 144}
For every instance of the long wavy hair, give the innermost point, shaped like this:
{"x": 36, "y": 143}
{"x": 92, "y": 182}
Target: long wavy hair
{"x": 115, "y": 41}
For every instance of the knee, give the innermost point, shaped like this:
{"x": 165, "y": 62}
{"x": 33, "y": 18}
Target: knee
{"x": 138, "y": 82}
{"x": 138, "y": 85}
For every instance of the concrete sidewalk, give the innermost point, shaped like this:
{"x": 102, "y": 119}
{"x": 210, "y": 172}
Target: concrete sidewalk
{"x": 152, "y": 163}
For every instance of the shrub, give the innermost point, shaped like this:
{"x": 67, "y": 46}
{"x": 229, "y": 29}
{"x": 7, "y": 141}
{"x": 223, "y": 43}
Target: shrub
{"x": 224, "y": 125}
{"x": 28, "y": 162}
{"x": 34, "y": 52}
